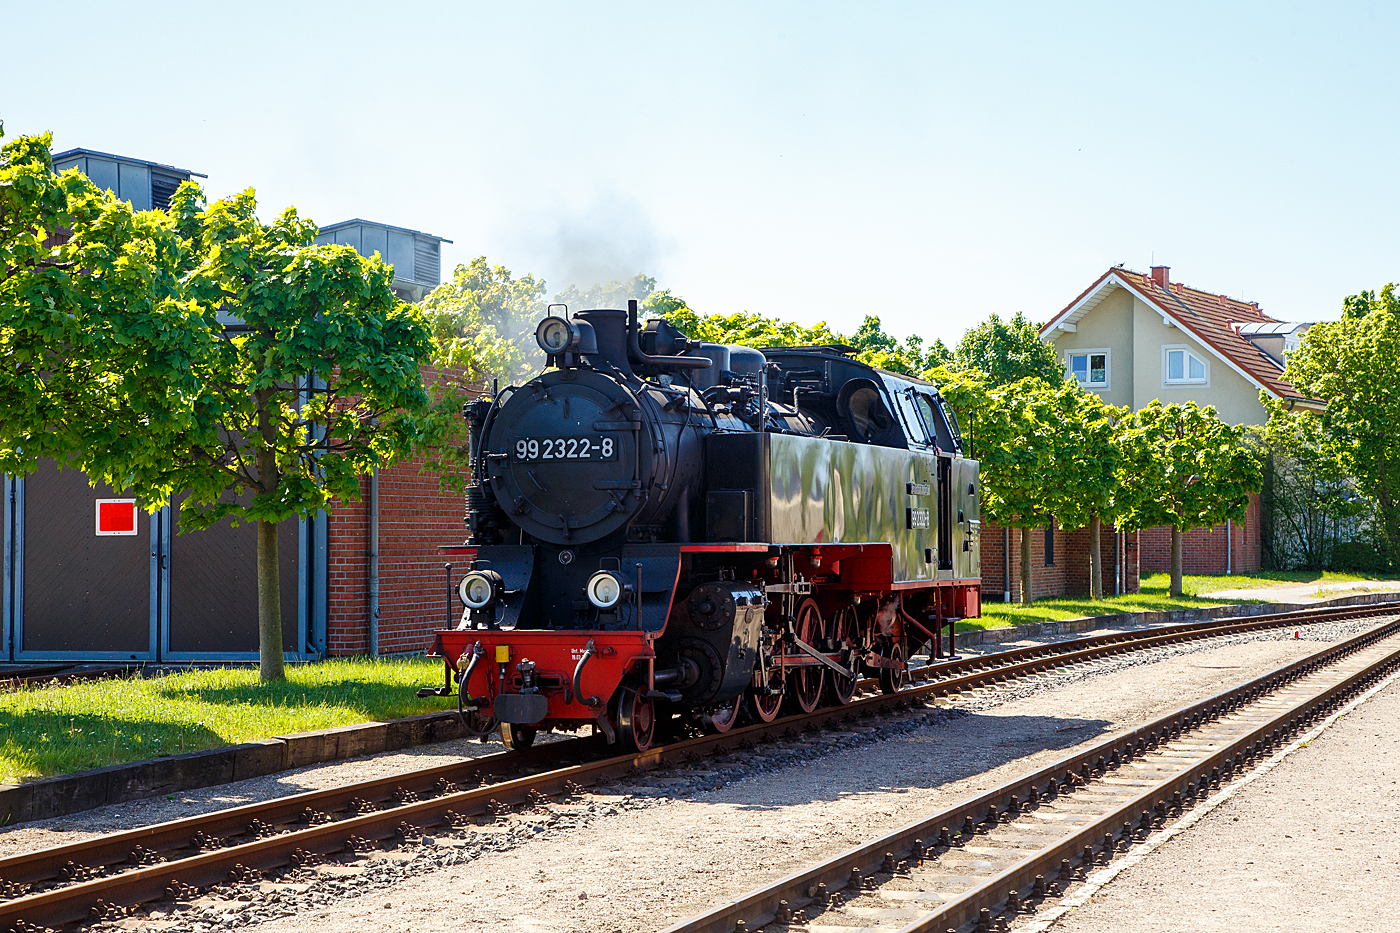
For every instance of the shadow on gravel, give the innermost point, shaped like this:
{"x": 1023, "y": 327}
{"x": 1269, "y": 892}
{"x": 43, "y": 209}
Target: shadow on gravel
{"x": 883, "y": 759}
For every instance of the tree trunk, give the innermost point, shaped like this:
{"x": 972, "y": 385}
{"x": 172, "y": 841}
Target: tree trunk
{"x": 1095, "y": 559}
{"x": 1176, "y": 562}
{"x": 270, "y": 666}
{"x": 1026, "y": 587}
{"x": 269, "y": 606}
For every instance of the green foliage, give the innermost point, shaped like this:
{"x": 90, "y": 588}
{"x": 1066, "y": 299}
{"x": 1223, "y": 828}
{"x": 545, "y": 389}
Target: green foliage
{"x": 114, "y": 324}
{"x": 483, "y": 321}
{"x": 1358, "y": 556}
{"x": 871, "y": 344}
{"x": 263, "y": 430}
{"x": 101, "y": 353}
{"x": 1197, "y": 470}
{"x": 1352, "y": 364}
{"x": 1310, "y": 498}
{"x": 1007, "y": 351}
{"x": 1100, "y": 457}
{"x": 1023, "y": 451}
{"x": 751, "y": 329}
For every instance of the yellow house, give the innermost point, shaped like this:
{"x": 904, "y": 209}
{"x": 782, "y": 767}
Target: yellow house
{"x": 1134, "y": 337}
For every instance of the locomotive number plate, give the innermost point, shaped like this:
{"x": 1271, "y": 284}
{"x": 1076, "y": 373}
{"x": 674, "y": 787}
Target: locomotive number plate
{"x": 587, "y": 447}
{"x": 917, "y": 518}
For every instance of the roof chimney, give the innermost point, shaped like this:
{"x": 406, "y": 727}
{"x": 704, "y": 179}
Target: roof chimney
{"x": 1159, "y": 275}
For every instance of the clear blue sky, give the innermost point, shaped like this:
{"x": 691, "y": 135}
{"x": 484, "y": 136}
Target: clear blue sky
{"x": 929, "y": 163}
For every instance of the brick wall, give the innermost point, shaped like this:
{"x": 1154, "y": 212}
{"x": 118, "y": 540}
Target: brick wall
{"x": 1069, "y": 576}
{"x": 1207, "y": 550}
{"x": 414, "y": 519}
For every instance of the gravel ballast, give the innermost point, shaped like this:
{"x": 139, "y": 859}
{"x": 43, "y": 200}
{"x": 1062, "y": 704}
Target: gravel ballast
{"x": 637, "y": 857}
{"x": 1313, "y": 844}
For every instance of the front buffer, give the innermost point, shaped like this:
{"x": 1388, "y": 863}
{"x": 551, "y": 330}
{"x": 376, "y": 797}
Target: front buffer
{"x": 534, "y": 679}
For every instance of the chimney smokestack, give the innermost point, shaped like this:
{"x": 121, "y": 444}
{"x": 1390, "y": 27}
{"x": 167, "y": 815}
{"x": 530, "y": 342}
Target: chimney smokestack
{"x": 1160, "y": 276}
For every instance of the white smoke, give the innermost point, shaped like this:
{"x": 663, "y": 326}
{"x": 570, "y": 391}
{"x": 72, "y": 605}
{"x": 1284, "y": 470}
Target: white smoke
{"x": 609, "y": 237}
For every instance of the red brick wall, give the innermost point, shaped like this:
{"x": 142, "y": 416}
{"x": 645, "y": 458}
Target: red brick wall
{"x": 1069, "y": 576}
{"x": 1204, "y": 550}
{"x": 414, "y": 519}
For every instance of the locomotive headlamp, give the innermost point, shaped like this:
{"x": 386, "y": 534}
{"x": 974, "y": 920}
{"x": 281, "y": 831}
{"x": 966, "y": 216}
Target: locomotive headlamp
{"x": 555, "y": 335}
{"x": 479, "y": 589}
{"x": 604, "y": 590}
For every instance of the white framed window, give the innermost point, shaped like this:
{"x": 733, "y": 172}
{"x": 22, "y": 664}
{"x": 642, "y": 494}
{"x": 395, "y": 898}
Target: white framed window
{"x": 1090, "y": 368}
{"x": 1182, "y": 366}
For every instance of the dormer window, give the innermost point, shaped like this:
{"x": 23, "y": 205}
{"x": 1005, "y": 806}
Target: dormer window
{"x": 1089, "y": 368}
{"x": 1181, "y": 366}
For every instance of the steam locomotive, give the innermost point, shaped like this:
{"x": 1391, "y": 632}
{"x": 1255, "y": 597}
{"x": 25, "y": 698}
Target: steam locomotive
{"x": 662, "y": 526}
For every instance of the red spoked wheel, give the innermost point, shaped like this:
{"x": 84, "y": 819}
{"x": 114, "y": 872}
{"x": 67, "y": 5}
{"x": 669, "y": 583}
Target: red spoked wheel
{"x": 841, "y": 635}
{"x": 892, "y": 681}
{"x": 765, "y": 705}
{"x": 722, "y": 719}
{"x": 804, "y": 686}
{"x": 636, "y": 721}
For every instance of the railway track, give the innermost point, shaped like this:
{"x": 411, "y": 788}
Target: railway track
{"x": 101, "y": 877}
{"x": 988, "y": 862}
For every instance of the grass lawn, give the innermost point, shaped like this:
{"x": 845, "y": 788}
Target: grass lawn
{"x": 1154, "y": 597}
{"x": 1261, "y": 580}
{"x": 55, "y": 730}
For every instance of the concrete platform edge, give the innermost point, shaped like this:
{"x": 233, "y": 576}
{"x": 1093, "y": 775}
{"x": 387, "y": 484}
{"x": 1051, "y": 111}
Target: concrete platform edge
{"x": 84, "y": 790}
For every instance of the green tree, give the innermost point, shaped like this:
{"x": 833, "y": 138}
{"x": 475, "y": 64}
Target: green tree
{"x": 1005, "y": 351}
{"x": 1309, "y": 495}
{"x": 871, "y": 345}
{"x": 1352, "y": 364}
{"x": 198, "y": 351}
{"x": 1196, "y": 471}
{"x": 882, "y": 350}
{"x": 100, "y": 352}
{"x": 1098, "y": 458}
{"x": 317, "y": 380}
{"x": 484, "y": 319}
{"x": 750, "y": 329}
{"x": 1024, "y": 452}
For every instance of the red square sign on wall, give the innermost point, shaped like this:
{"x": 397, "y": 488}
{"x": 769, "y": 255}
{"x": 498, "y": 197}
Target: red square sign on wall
{"x": 116, "y": 517}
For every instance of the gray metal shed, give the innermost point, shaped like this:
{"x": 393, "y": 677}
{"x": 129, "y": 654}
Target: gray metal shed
{"x": 147, "y": 185}
{"x": 415, "y": 256}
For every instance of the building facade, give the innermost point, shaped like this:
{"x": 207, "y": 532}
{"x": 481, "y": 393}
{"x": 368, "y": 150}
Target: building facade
{"x": 1136, "y": 337}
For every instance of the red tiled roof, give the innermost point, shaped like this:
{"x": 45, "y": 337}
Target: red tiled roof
{"x": 1208, "y": 317}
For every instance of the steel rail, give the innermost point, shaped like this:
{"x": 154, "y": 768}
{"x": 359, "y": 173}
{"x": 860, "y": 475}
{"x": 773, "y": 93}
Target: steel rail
{"x": 263, "y": 851}
{"x": 1212, "y": 627}
{"x": 113, "y": 848}
{"x": 798, "y": 890}
{"x": 163, "y": 838}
